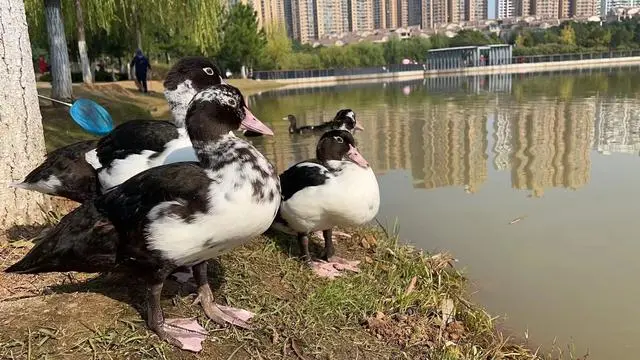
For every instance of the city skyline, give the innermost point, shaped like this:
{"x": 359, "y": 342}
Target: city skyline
{"x": 308, "y": 20}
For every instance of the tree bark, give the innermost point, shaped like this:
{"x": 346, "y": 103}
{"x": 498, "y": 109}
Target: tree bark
{"x": 60, "y": 68}
{"x": 138, "y": 25}
{"x": 82, "y": 46}
{"x": 22, "y": 146}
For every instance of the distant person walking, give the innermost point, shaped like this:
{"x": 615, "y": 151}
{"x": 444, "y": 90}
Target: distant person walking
{"x": 141, "y": 64}
{"x": 42, "y": 65}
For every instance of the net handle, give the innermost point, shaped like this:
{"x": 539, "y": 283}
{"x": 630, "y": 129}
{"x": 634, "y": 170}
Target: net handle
{"x": 54, "y": 100}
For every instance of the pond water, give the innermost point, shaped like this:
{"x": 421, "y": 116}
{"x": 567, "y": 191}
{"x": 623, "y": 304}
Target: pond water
{"x": 531, "y": 181}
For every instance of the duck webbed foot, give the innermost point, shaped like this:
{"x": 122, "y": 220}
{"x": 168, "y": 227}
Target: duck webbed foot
{"x": 329, "y": 266}
{"x": 218, "y": 313}
{"x": 334, "y": 267}
{"x": 186, "y": 334}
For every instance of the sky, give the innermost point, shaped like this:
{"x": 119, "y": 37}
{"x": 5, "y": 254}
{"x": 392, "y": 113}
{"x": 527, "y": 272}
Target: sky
{"x": 491, "y": 9}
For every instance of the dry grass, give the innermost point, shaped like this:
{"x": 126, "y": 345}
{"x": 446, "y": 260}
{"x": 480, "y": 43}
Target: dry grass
{"x": 404, "y": 304}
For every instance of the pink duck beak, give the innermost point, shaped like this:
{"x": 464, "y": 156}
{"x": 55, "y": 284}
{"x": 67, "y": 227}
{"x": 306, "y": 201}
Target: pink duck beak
{"x": 252, "y": 123}
{"x": 356, "y": 157}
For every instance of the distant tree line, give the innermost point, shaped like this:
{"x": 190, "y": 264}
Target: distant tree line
{"x": 578, "y": 37}
{"x": 569, "y": 37}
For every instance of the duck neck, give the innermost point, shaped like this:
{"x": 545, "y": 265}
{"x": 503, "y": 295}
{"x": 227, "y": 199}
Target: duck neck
{"x": 209, "y": 137}
{"x": 212, "y": 152}
{"x": 179, "y": 100}
{"x": 292, "y": 126}
{"x": 179, "y": 112}
{"x": 324, "y": 158}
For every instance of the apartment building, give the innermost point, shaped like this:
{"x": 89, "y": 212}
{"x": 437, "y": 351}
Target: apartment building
{"x": 504, "y": 9}
{"x": 361, "y": 15}
{"x": 521, "y": 7}
{"x": 546, "y": 9}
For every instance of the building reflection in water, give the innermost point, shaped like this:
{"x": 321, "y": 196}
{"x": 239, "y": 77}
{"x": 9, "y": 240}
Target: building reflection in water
{"x": 439, "y": 128}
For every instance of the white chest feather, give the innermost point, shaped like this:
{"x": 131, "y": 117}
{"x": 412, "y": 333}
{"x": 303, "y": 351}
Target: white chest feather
{"x": 350, "y": 198}
{"x": 235, "y": 215}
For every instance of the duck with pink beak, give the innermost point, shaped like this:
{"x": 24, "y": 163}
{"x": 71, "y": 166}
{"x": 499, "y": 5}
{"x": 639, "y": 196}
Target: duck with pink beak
{"x": 337, "y": 188}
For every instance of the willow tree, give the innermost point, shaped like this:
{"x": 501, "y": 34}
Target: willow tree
{"x": 278, "y": 50}
{"x": 199, "y": 21}
{"x": 22, "y": 146}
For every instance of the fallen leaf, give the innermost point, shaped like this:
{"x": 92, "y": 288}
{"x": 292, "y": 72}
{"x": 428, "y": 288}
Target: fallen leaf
{"x": 412, "y": 286}
{"x": 371, "y": 239}
{"x": 447, "y": 309}
{"x": 368, "y": 260}
{"x": 365, "y": 244}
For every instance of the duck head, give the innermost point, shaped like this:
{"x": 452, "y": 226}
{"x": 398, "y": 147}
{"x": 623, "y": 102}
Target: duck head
{"x": 186, "y": 78}
{"x": 345, "y": 119}
{"x": 292, "y": 123}
{"x": 217, "y": 110}
{"x": 339, "y": 145}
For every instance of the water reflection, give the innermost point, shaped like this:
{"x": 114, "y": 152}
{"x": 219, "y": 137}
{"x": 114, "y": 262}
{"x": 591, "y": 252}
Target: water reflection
{"x": 542, "y": 128}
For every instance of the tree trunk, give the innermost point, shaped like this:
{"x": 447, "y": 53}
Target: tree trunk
{"x": 60, "y": 69}
{"x": 82, "y": 46}
{"x": 138, "y": 25}
{"x": 22, "y": 146}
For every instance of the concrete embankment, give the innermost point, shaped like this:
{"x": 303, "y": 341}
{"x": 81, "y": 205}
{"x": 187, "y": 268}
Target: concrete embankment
{"x": 480, "y": 70}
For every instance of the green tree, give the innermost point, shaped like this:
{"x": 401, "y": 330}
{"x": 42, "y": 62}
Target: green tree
{"x": 470, "y": 38}
{"x": 369, "y": 54}
{"x": 439, "y": 41}
{"x": 243, "y": 41}
{"x": 567, "y": 35}
{"x": 622, "y": 37}
{"x": 277, "y": 52}
{"x": 417, "y": 48}
{"x": 196, "y": 22}
{"x": 394, "y": 50}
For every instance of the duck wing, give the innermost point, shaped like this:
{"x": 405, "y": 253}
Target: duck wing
{"x": 84, "y": 240}
{"x": 302, "y": 175}
{"x": 128, "y": 204}
{"x": 133, "y": 137}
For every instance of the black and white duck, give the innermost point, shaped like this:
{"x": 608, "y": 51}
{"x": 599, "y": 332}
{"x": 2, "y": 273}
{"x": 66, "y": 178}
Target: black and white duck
{"x": 70, "y": 171}
{"x": 345, "y": 119}
{"x": 180, "y": 214}
{"x": 337, "y": 188}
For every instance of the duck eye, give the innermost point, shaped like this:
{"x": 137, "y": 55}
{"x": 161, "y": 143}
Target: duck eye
{"x": 232, "y": 102}
{"x": 208, "y": 71}
{"x": 338, "y": 139}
